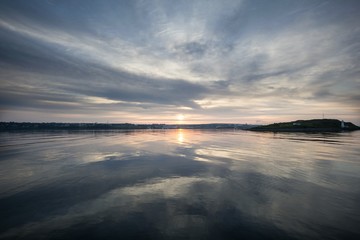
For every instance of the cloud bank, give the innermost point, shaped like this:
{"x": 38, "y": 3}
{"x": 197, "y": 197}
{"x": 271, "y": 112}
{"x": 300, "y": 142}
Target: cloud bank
{"x": 146, "y": 61}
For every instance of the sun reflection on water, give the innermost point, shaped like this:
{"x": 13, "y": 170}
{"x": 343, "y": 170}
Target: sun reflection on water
{"x": 180, "y": 136}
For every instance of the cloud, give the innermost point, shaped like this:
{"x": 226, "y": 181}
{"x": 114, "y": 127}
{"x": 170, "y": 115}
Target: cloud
{"x": 168, "y": 56}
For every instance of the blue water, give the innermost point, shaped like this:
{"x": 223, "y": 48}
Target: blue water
{"x": 179, "y": 184}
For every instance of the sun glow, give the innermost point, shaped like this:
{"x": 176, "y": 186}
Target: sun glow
{"x": 180, "y": 117}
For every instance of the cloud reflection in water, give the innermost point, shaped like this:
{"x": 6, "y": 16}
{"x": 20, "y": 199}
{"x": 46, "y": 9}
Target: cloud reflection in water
{"x": 178, "y": 184}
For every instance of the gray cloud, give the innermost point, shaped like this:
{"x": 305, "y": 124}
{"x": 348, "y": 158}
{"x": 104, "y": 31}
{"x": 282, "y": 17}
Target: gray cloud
{"x": 129, "y": 56}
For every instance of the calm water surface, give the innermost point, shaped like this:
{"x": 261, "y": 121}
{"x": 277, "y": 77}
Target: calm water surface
{"x": 179, "y": 184}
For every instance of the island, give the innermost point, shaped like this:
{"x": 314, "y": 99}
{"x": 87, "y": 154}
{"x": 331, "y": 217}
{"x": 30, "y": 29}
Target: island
{"x": 313, "y": 125}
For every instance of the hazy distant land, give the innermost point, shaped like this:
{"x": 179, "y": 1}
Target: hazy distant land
{"x": 314, "y": 125}
{"x": 4, "y": 126}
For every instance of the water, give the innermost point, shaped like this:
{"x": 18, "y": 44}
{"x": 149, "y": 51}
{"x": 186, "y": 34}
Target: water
{"x": 179, "y": 184}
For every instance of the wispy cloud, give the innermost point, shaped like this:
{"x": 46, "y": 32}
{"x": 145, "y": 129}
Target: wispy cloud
{"x": 211, "y": 60}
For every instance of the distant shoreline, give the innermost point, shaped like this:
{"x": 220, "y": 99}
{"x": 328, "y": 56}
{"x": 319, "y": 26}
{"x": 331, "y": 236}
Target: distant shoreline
{"x": 302, "y": 130}
{"x": 313, "y": 125}
{"x": 14, "y": 126}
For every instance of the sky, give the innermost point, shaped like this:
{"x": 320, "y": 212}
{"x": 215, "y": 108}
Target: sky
{"x": 163, "y": 61}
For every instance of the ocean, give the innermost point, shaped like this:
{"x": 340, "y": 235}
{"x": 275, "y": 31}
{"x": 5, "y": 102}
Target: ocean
{"x": 179, "y": 184}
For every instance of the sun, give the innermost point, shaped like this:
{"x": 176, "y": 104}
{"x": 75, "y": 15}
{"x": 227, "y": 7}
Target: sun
{"x": 180, "y": 117}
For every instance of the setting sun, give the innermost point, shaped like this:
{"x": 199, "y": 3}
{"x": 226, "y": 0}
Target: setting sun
{"x": 180, "y": 117}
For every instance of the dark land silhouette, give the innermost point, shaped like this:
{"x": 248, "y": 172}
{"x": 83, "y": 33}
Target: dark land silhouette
{"x": 313, "y": 125}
